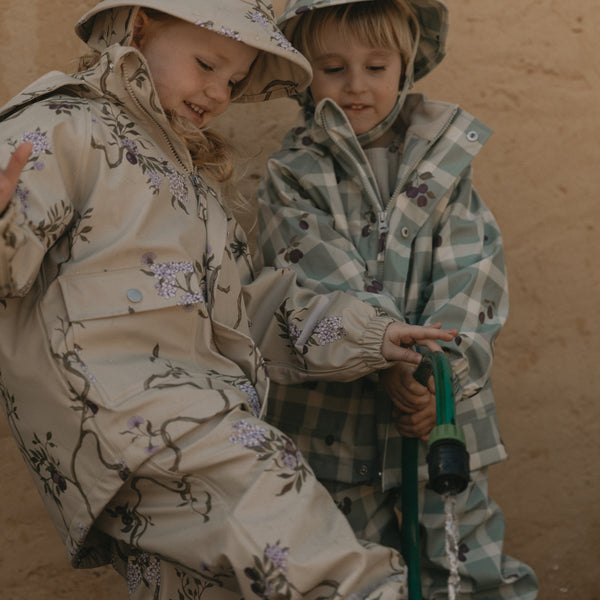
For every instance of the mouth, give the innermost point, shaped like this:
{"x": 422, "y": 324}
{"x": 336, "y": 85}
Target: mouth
{"x": 196, "y": 109}
{"x": 356, "y": 107}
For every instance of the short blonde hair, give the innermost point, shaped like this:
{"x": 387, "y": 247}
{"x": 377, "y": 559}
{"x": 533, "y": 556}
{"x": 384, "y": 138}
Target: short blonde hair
{"x": 390, "y": 24}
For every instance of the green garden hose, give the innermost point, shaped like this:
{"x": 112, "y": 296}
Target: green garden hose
{"x": 447, "y": 459}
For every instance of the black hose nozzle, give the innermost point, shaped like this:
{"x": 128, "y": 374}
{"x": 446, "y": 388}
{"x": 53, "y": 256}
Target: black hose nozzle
{"x": 447, "y": 460}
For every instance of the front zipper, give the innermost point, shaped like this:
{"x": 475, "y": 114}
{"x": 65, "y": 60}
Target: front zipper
{"x": 192, "y": 174}
{"x": 382, "y": 214}
{"x": 382, "y": 226}
{"x": 165, "y": 135}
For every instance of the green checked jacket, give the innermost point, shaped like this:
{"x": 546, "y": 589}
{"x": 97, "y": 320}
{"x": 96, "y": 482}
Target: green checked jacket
{"x": 429, "y": 251}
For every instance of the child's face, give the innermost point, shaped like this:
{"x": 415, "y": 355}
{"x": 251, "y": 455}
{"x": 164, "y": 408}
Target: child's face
{"x": 193, "y": 69}
{"x": 362, "y": 80}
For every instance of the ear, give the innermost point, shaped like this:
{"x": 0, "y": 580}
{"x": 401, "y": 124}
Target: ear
{"x": 139, "y": 29}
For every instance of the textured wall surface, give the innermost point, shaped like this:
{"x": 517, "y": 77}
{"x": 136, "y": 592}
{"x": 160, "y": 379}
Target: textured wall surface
{"x": 530, "y": 70}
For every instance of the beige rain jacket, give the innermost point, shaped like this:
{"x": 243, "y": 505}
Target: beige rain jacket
{"x": 129, "y": 312}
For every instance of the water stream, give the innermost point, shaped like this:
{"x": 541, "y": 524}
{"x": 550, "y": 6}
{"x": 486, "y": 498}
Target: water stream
{"x": 452, "y": 546}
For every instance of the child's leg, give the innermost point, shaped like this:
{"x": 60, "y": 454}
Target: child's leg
{"x": 485, "y": 572}
{"x": 149, "y": 576}
{"x": 369, "y": 511}
{"x": 236, "y": 505}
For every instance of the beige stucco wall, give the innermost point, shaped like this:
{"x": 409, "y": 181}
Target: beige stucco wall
{"x": 530, "y": 70}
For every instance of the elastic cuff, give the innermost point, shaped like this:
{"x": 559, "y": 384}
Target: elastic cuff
{"x": 372, "y": 341}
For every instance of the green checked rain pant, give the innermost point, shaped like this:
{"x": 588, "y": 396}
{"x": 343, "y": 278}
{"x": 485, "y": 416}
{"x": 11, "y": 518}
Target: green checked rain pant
{"x": 485, "y": 572}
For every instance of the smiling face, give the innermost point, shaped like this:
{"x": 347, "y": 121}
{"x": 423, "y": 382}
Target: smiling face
{"x": 194, "y": 70}
{"x": 361, "y": 79}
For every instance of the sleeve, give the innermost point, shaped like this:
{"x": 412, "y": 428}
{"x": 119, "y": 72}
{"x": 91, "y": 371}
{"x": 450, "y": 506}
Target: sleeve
{"x": 306, "y": 336}
{"x": 468, "y": 287}
{"x": 42, "y": 205}
{"x": 303, "y": 227}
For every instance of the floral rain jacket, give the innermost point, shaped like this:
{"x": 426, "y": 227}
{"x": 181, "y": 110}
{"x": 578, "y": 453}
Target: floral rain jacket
{"x": 426, "y": 250}
{"x": 129, "y": 311}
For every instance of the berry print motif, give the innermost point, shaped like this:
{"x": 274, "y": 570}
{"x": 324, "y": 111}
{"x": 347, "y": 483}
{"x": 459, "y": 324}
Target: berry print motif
{"x": 371, "y": 218}
{"x": 292, "y": 254}
{"x": 373, "y": 286}
{"x": 488, "y": 310}
{"x": 418, "y": 190}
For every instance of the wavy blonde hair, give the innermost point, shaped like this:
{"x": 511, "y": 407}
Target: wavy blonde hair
{"x": 379, "y": 24}
{"x": 210, "y": 151}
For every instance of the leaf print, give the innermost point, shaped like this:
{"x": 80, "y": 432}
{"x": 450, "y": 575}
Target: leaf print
{"x": 136, "y": 429}
{"x": 66, "y": 104}
{"x": 176, "y": 278}
{"x": 276, "y": 447}
{"x": 49, "y": 230}
{"x": 326, "y": 331}
{"x": 268, "y": 575}
{"x": 193, "y": 588}
{"x": 142, "y": 568}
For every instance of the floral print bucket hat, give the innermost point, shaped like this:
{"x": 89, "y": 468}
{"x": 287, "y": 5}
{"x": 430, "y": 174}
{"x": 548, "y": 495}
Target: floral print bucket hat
{"x": 280, "y": 70}
{"x": 432, "y": 16}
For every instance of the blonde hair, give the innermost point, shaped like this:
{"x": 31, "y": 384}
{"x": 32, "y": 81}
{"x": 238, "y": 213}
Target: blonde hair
{"x": 388, "y": 24}
{"x": 210, "y": 152}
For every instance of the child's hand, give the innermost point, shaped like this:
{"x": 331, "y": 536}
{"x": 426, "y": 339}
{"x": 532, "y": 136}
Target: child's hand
{"x": 414, "y": 404}
{"x": 10, "y": 176}
{"x": 399, "y": 336}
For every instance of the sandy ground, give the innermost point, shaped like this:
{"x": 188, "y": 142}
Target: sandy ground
{"x": 529, "y": 69}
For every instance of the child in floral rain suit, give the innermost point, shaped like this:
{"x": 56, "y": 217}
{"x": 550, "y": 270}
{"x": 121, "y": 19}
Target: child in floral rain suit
{"x": 371, "y": 192}
{"x": 135, "y": 336}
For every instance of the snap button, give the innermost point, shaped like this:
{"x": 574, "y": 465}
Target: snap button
{"x": 404, "y": 232}
{"x": 472, "y": 136}
{"x": 134, "y": 295}
{"x": 363, "y": 469}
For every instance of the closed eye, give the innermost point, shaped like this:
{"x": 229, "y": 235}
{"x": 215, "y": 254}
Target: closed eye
{"x": 204, "y": 65}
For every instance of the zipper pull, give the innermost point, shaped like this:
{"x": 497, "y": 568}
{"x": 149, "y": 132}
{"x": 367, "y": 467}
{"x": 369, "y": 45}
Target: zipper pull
{"x": 382, "y": 225}
{"x": 195, "y": 181}
{"x": 382, "y": 228}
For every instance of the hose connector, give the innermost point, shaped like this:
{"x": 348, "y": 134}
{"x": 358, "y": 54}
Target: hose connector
{"x": 447, "y": 456}
{"x": 447, "y": 460}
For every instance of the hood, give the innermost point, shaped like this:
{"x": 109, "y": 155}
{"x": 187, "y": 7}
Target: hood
{"x": 431, "y": 14}
{"x": 280, "y": 70}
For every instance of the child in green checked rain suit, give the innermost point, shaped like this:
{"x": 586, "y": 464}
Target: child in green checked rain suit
{"x": 371, "y": 192}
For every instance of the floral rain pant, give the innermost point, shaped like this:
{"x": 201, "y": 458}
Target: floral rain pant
{"x": 242, "y": 515}
{"x": 485, "y": 572}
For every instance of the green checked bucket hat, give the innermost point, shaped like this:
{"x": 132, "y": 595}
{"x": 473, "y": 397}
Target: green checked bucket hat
{"x": 432, "y": 16}
{"x": 280, "y": 70}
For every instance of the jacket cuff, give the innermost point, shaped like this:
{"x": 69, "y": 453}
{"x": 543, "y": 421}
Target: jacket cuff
{"x": 372, "y": 341}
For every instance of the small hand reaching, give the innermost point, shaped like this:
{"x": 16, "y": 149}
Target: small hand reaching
{"x": 9, "y": 177}
{"x": 399, "y": 337}
{"x": 414, "y": 404}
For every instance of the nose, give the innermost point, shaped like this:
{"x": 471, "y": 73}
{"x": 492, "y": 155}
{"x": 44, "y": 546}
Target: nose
{"x": 355, "y": 81}
{"x": 218, "y": 90}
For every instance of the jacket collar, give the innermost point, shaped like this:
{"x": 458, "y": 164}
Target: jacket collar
{"x": 120, "y": 76}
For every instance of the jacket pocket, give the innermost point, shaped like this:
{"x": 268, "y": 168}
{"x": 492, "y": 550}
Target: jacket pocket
{"x": 122, "y": 333}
